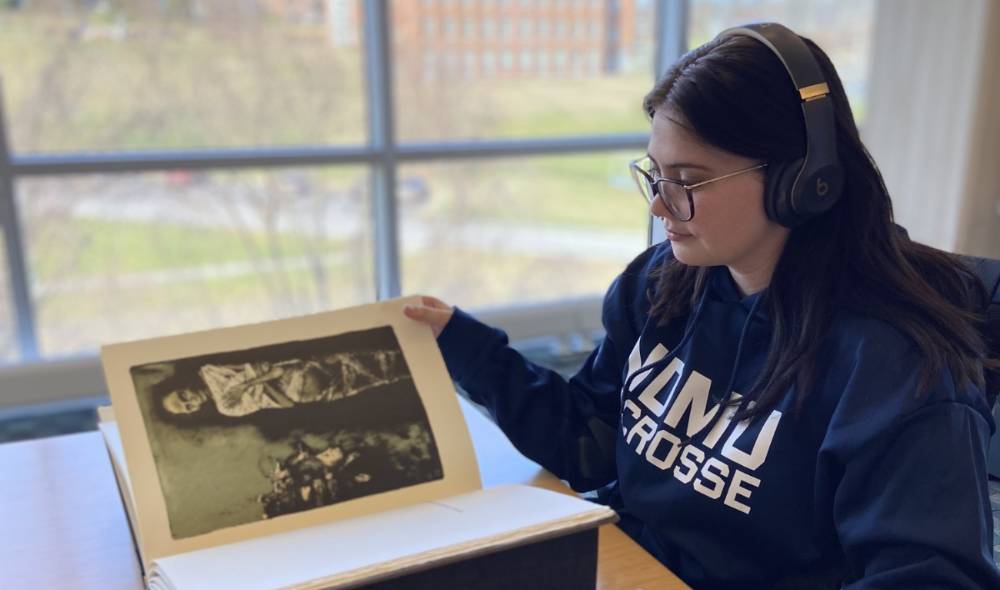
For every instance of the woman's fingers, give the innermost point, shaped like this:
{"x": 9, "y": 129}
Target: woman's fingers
{"x": 427, "y": 314}
{"x": 431, "y": 311}
{"x": 434, "y": 302}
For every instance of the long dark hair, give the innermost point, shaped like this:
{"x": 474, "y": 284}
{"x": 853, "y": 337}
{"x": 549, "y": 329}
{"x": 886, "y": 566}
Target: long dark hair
{"x": 735, "y": 95}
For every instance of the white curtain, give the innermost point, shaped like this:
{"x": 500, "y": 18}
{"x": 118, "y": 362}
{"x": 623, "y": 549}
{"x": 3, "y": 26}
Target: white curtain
{"x": 933, "y": 126}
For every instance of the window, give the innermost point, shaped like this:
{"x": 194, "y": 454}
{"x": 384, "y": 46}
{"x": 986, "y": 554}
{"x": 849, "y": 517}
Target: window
{"x": 842, "y": 29}
{"x": 430, "y": 66}
{"x": 8, "y": 335}
{"x": 487, "y": 108}
{"x": 451, "y": 62}
{"x": 527, "y": 60}
{"x": 561, "y": 61}
{"x": 507, "y": 60}
{"x": 527, "y": 27}
{"x": 542, "y": 61}
{"x": 65, "y": 66}
{"x": 489, "y": 62}
{"x": 119, "y": 257}
{"x": 181, "y": 205}
{"x": 469, "y": 62}
{"x": 506, "y": 27}
{"x": 492, "y": 232}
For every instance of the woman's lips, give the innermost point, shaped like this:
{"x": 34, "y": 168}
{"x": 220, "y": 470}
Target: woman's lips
{"x": 674, "y": 236}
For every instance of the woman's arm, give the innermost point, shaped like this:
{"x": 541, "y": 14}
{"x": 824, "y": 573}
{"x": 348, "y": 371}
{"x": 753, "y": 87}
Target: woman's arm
{"x": 569, "y": 427}
{"x": 911, "y": 501}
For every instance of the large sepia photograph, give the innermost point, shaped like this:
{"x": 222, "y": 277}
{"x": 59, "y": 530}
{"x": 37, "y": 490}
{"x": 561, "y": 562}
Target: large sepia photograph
{"x": 246, "y": 435}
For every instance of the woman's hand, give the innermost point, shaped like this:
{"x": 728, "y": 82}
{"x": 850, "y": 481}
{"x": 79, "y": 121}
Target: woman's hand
{"x": 431, "y": 311}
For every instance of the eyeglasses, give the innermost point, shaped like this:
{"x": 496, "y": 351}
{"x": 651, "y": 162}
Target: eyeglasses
{"x": 676, "y": 196}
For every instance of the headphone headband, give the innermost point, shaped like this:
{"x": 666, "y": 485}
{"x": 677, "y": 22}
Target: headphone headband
{"x": 813, "y": 187}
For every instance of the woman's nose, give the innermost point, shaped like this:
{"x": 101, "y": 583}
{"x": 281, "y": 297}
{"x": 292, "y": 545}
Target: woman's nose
{"x": 657, "y": 208}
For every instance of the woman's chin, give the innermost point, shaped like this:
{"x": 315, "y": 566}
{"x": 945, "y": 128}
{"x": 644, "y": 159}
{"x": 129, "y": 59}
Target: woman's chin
{"x": 687, "y": 253}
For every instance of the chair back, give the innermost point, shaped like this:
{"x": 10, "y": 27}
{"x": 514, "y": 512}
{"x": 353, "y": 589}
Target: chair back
{"x": 988, "y": 272}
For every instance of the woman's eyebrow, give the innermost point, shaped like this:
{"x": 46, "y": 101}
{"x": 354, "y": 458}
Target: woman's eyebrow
{"x": 687, "y": 165}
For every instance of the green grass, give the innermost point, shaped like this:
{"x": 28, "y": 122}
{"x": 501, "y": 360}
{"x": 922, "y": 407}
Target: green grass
{"x": 94, "y": 247}
{"x": 73, "y": 322}
{"x": 588, "y": 191}
{"x": 488, "y": 278}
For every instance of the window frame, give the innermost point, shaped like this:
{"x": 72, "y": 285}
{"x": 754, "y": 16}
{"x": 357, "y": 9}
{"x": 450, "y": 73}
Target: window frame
{"x": 383, "y": 154}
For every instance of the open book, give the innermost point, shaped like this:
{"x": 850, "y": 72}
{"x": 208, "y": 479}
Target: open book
{"x": 319, "y": 452}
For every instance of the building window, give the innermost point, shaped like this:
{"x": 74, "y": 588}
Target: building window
{"x": 527, "y": 60}
{"x": 506, "y": 26}
{"x": 542, "y": 60}
{"x": 489, "y": 62}
{"x": 430, "y": 26}
{"x": 526, "y": 27}
{"x": 507, "y": 60}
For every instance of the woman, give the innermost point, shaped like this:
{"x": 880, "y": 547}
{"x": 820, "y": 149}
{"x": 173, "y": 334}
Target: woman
{"x": 242, "y": 389}
{"x": 796, "y": 404}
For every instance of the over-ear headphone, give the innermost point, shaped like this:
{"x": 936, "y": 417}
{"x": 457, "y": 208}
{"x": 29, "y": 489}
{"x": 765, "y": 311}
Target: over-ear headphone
{"x": 801, "y": 189}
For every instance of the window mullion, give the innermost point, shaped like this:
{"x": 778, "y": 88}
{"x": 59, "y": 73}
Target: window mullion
{"x": 671, "y": 34}
{"x": 671, "y": 43}
{"x": 381, "y": 133}
{"x": 24, "y": 313}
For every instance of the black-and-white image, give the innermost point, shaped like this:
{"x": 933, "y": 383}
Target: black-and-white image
{"x": 245, "y": 435}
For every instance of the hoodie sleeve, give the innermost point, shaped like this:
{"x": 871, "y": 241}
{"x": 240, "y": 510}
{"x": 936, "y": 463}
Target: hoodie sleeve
{"x": 568, "y": 427}
{"x": 911, "y": 507}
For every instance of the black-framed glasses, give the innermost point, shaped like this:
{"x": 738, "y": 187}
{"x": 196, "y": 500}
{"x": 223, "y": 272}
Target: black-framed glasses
{"x": 676, "y": 196}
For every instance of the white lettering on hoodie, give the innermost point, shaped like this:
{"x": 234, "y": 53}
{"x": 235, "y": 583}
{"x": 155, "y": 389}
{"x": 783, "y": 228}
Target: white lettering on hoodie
{"x": 650, "y": 429}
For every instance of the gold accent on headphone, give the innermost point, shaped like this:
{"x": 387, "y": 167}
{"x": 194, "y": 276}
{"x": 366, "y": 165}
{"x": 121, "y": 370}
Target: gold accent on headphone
{"x": 815, "y": 91}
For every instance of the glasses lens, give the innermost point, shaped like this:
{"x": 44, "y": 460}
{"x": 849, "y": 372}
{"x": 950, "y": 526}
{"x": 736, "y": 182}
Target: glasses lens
{"x": 642, "y": 182}
{"x": 676, "y": 199}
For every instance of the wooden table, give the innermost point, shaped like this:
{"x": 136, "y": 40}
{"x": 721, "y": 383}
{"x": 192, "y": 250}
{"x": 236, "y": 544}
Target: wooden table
{"x": 62, "y": 524}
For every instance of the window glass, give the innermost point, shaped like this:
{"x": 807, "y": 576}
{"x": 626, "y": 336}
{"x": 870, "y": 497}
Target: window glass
{"x": 485, "y": 233}
{"x": 134, "y": 74}
{"x": 599, "y": 90}
{"x": 120, "y": 257}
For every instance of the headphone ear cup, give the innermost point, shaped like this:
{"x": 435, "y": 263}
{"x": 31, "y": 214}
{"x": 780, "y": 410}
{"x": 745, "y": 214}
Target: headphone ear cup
{"x": 778, "y": 192}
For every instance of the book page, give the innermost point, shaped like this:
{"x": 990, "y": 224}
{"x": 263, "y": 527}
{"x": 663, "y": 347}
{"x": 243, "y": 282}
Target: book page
{"x": 239, "y": 432}
{"x": 387, "y": 544}
{"x": 112, "y": 440}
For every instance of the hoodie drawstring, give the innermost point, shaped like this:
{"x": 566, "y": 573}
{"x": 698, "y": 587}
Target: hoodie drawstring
{"x": 650, "y": 369}
{"x": 728, "y": 391}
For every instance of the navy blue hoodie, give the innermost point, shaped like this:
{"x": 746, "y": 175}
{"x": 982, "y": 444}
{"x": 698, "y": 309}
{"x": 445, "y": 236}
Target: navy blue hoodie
{"x": 871, "y": 486}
